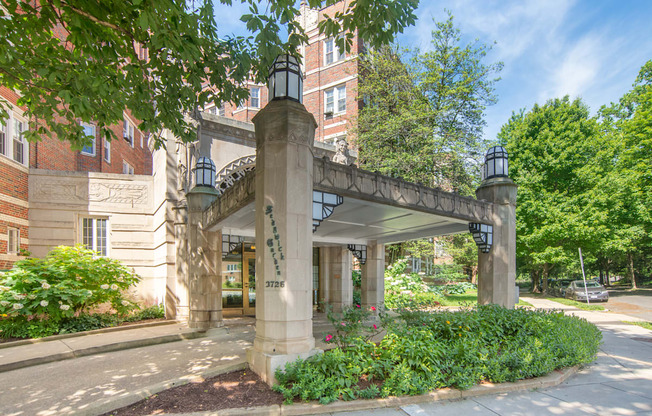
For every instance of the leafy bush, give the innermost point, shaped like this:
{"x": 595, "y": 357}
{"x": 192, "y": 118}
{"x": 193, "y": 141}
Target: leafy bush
{"x": 449, "y": 273}
{"x": 35, "y": 328}
{"x": 424, "y": 351}
{"x": 67, "y": 281}
{"x": 353, "y": 325}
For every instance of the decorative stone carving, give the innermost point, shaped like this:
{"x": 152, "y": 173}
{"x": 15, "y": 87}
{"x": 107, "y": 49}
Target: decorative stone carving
{"x": 112, "y": 193}
{"x": 341, "y": 152}
{"x": 234, "y": 171}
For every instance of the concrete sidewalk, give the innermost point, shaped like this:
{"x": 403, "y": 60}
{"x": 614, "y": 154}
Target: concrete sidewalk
{"x": 20, "y": 354}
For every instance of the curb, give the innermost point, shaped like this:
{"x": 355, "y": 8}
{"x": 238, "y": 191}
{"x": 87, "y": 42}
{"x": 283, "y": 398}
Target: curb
{"x": 81, "y": 334}
{"x": 553, "y": 379}
{"x": 124, "y": 345}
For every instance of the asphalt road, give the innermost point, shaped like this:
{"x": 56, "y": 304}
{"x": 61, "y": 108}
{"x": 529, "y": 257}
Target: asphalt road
{"x": 636, "y": 303}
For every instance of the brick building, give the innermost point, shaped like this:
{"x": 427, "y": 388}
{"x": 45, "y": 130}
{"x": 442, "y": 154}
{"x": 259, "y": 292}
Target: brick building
{"x": 330, "y": 82}
{"x": 330, "y": 86}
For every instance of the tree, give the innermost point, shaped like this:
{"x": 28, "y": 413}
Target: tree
{"x": 552, "y": 150}
{"x": 424, "y": 113}
{"x": 76, "y": 60}
{"x": 628, "y": 186}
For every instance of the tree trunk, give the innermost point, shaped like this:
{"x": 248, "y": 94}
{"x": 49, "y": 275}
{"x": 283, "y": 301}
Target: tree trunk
{"x": 630, "y": 260}
{"x": 601, "y": 277}
{"x": 546, "y": 270}
{"x": 474, "y": 275}
{"x": 534, "y": 276}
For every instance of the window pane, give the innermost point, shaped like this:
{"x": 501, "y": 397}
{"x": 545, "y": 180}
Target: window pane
{"x": 329, "y": 101}
{"x": 3, "y": 137}
{"x": 87, "y": 233}
{"x": 328, "y": 47}
{"x": 107, "y": 150}
{"x": 100, "y": 245}
{"x": 89, "y": 131}
{"x": 18, "y": 151}
{"x": 341, "y": 99}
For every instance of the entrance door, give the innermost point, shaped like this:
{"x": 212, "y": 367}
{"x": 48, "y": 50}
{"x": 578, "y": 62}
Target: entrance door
{"x": 249, "y": 283}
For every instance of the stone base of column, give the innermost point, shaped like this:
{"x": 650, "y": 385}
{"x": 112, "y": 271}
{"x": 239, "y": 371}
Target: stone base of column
{"x": 265, "y": 364}
{"x": 205, "y": 320}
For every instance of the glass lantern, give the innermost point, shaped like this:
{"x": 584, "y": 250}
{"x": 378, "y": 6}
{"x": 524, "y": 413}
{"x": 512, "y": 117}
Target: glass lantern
{"x": 286, "y": 79}
{"x": 205, "y": 172}
{"x": 496, "y": 163}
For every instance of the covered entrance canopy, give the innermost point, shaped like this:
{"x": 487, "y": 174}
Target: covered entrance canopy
{"x": 292, "y": 201}
{"x": 374, "y": 207}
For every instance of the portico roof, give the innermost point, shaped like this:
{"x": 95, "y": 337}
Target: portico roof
{"x": 375, "y": 207}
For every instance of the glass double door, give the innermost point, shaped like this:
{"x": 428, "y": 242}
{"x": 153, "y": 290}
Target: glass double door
{"x": 239, "y": 280}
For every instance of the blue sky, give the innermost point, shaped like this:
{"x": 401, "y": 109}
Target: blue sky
{"x": 587, "y": 48}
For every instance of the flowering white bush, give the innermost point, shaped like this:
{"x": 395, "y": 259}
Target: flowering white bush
{"x": 68, "y": 280}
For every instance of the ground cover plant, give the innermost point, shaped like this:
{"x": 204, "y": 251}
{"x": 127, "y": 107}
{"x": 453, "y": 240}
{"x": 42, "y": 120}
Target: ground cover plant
{"x": 423, "y": 351}
{"x": 41, "y": 297}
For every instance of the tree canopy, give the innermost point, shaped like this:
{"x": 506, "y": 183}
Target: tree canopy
{"x": 89, "y": 61}
{"x": 424, "y": 112}
{"x": 584, "y": 181}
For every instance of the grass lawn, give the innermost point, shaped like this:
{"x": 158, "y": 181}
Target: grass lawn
{"x": 581, "y": 305}
{"x": 646, "y": 325}
{"x": 469, "y": 298}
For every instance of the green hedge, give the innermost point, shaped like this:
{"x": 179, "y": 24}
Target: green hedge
{"x": 426, "y": 351}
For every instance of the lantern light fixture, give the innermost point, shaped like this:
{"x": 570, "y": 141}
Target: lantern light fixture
{"x": 205, "y": 172}
{"x": 483, "y": 235}
{"x": 286, "y": 79}
{"x": 496, "y": 163}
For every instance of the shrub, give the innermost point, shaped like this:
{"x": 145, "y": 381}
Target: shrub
{"x": 353, "y": 325}
{"x": 68, "y": 280}
{"x": 423, "y": 351}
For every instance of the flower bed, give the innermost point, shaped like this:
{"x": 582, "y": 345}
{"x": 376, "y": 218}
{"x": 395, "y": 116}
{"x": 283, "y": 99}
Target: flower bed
{"x": 426, "y": 351}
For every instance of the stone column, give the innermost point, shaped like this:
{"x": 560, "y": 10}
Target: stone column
{"x": 373, "y": 276}
{"x": 497, "y": 269}
{"x": 284, "y": 178}
{"x": 176, "y": 293}
{"x": 204, "y": 264}
{"x": 324, "y": 273}
{"x": 340, "y": 283}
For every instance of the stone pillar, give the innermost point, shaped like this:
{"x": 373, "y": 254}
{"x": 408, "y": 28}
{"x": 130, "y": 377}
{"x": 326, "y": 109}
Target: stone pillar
{"x": 373, "y": 276}
{"x": 204, "y": 263}
{"x": 176, "y": 293}
{"x": 340, "y": 282}
{"x": 284, "y": 178}
{"x": 497, "y": 269}
{"x": 324, "y": 273}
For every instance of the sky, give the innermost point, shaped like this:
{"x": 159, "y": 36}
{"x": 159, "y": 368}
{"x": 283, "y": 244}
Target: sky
{"x": 591, "y": 49}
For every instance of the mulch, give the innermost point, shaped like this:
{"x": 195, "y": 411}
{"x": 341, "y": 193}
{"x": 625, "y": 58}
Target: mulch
{"x": 231, "y": 390}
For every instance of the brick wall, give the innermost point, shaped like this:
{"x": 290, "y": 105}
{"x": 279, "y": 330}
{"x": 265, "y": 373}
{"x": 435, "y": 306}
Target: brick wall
{"x": 13, "y": 208}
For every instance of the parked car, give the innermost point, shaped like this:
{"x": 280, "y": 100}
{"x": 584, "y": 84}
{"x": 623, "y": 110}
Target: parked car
{"x": 595, "y": 291}
{"x": 558, "y": 287}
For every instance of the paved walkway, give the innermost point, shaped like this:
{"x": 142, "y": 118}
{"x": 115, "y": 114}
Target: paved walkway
{"x": 619, "y": 382}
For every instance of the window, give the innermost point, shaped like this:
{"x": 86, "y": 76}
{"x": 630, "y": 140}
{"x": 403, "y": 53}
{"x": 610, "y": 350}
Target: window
{"x": 89, "y": 130}
{"x": 94, "y": 235}
{"x": 335, "y": 100}
{"x": 332, "y": 52}
{"x": 222, "y": 111}
{"x": 19, "y": 141}
{"x": 107, "y": 150}
{"x": 255, "y": 97}
{"x": 3, "y": 137}
{"x": 127, "y": 168}
{"x": 13, "y": 240}
{"x": 128, "y": 132}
